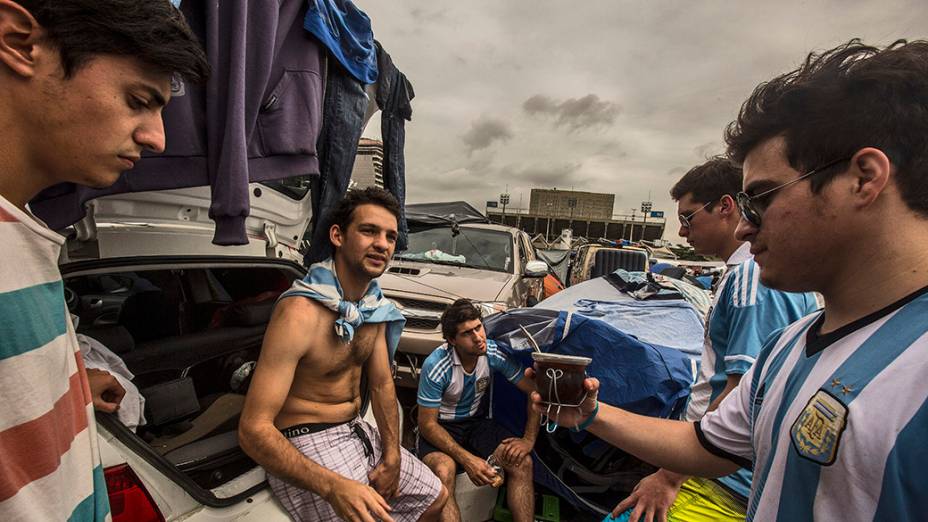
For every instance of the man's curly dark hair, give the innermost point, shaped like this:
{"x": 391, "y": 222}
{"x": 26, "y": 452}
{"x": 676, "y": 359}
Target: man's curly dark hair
{"x": 840, "y": 101}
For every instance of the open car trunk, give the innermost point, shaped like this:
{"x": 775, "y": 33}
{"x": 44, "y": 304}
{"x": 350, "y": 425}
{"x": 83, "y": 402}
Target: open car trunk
{"x": 190, "y": 330}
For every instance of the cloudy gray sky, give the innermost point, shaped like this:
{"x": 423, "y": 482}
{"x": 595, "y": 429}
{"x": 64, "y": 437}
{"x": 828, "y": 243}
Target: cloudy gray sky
{"x": 606, "y": 96}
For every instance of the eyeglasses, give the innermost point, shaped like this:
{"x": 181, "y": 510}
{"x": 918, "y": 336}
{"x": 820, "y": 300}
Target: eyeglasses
{"x": 752, "y": 208}
{"x": 686, "y": 221}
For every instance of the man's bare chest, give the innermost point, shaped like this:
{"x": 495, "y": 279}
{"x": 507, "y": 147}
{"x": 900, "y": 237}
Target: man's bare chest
{"x": 328, "y": 356}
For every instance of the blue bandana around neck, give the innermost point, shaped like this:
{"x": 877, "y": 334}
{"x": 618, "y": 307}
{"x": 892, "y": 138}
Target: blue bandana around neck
{"x": 321, "y": 285}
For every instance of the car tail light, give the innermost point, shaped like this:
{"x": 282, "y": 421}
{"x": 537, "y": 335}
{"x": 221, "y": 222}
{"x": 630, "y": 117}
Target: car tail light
{"x": 129, "y": 500}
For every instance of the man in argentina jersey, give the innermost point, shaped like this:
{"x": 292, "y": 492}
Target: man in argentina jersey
{"x": 453, "y": 398}
{"x": 744, "y": 313}
{"x": 82, "y": 96}
{"x": 833, "y": 416}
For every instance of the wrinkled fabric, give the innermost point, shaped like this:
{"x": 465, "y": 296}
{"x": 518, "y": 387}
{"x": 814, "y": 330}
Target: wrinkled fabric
{"x": 394, "y": 94}
{"x": 639, "y": 377}
{"x": 698, "y": 297}
{"x": 668, "y": 323}
{"x": 321, "y": 285}
{"x": 343, "y": 114}
{"x": 345, "y": 106}
{"x": 131, "y": 410}
{"x": 346, "y": 31}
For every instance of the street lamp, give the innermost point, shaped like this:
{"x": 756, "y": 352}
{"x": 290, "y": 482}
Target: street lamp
{"x": 504, "y": 200}
{"x": 645, "y": 210}
{"x": 571, "y": 204}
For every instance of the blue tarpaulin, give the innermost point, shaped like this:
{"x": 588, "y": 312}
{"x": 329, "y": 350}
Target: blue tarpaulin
{"x": 643, "y": 378}
{"x": 640, "y": 377}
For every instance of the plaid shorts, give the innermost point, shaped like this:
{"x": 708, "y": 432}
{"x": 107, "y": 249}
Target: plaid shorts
{"x": 342, "y": 449}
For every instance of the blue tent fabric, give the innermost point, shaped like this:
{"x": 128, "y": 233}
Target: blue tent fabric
{"x": 640, "y": 377}
{"x": 659, "y": 267}
{"x": 674, "y": 323}
{"x": 705, "y": 281}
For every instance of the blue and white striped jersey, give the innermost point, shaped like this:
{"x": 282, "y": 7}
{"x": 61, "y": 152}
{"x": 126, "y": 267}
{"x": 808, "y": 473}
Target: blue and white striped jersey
{"x": 835, "y": 425}
{"x": 744, "y": 313}
{"x": 459, "y": 395}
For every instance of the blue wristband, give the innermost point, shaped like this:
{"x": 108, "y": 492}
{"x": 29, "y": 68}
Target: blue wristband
{"x": 589, "y": 420}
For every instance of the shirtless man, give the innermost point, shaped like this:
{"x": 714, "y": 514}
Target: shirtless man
{"x": 301, "y": 417}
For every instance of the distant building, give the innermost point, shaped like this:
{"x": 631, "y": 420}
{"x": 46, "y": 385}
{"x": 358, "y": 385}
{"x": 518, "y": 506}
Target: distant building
{"x": 368, "y": 164}
{"x": 571, "y": 204}
{"x": 585, "y": 214}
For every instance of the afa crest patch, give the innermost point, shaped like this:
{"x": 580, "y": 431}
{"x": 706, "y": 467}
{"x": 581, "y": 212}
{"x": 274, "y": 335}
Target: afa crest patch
{"x": 817, "y": 432}
{"x": 482, "y": 384}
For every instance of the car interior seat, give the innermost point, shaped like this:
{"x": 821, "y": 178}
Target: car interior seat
{"x": 608, "y": 260}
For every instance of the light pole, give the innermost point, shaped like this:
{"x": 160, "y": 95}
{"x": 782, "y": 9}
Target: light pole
{"x": 504, "y": 200}
{"x": 571, "y": 203}
{"x": 645, "y": 209}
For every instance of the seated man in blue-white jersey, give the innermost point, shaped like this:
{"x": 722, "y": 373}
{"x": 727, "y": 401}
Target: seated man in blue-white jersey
{"x": 453, "y": 399}
{"x": 833, "y": 415}
{"x": 744, "y": 313}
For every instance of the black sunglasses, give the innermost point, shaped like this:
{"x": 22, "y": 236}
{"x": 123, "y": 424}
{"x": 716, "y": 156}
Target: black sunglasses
{"x": 752, "y": 210}
{"x": 686, "y": 220}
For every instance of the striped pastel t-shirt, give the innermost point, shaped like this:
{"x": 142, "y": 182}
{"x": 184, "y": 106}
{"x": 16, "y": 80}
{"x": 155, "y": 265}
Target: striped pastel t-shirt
{"x": 50, "y": 456}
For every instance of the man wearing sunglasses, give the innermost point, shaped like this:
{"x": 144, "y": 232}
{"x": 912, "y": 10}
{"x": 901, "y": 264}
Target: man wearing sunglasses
{"x": 744, "y": 313}
{"x": 833, "y": 415}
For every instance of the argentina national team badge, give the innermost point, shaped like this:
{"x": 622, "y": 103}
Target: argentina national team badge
{"x": 482, "y": 384}
{"x": 817, "y": 432}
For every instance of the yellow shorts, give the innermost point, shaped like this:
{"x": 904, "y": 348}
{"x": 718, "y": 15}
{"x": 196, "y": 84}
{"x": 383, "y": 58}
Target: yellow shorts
{"x": 702, "y": 500}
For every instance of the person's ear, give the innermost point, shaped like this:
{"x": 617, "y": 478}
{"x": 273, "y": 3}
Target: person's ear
{"x": 871, "y": 169}
{"x": 336, "y": 236}
{"x": 19, "y": 35}
{"x": 727, "y": 206}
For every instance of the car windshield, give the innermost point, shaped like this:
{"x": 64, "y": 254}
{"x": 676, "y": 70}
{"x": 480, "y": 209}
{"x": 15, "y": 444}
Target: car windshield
{"x": 470, "y": 247}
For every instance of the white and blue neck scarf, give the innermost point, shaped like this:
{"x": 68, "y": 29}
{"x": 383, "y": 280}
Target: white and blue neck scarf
{"x": 321, "y": 285}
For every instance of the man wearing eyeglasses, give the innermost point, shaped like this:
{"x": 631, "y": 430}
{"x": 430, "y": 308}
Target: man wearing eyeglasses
{"x": 744, "y": 313}
{"x": 833, "y": 415}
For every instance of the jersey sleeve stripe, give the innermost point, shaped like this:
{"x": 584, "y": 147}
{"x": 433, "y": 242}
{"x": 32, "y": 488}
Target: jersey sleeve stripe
{"x": 428, "y": 400}
{"x": 745, "y": 280}
{"x": 755, "y": 282}
{"x": 719, "y": 452}
{"x": 744, "y": 358}
{"x": 440, "y": 368}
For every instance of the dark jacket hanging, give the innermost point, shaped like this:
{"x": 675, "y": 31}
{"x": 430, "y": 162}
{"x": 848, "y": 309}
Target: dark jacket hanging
{"x": 257, "y": 119}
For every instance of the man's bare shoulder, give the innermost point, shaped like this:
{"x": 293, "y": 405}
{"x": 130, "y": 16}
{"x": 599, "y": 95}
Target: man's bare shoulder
{"x": 299, "y": 312}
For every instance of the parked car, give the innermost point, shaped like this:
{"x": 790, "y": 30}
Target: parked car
{"x": 186, "y": 317}
{"x": 454, "y": 252}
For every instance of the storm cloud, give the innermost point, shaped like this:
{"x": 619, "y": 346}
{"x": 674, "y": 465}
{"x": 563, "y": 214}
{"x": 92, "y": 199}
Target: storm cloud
{"x": 574, "y": 113}
{"x": 484, "y": 131}
{"x": 615, "y": 96}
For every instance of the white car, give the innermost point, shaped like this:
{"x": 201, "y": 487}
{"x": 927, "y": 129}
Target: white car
{"x": 187, "y": 317}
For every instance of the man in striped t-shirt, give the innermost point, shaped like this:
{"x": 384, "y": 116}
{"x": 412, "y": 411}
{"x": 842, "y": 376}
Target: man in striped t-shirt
{"x": 453, "y": 398}
{"x": 833, "y": 415}
{"x": 75, "y": 108}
